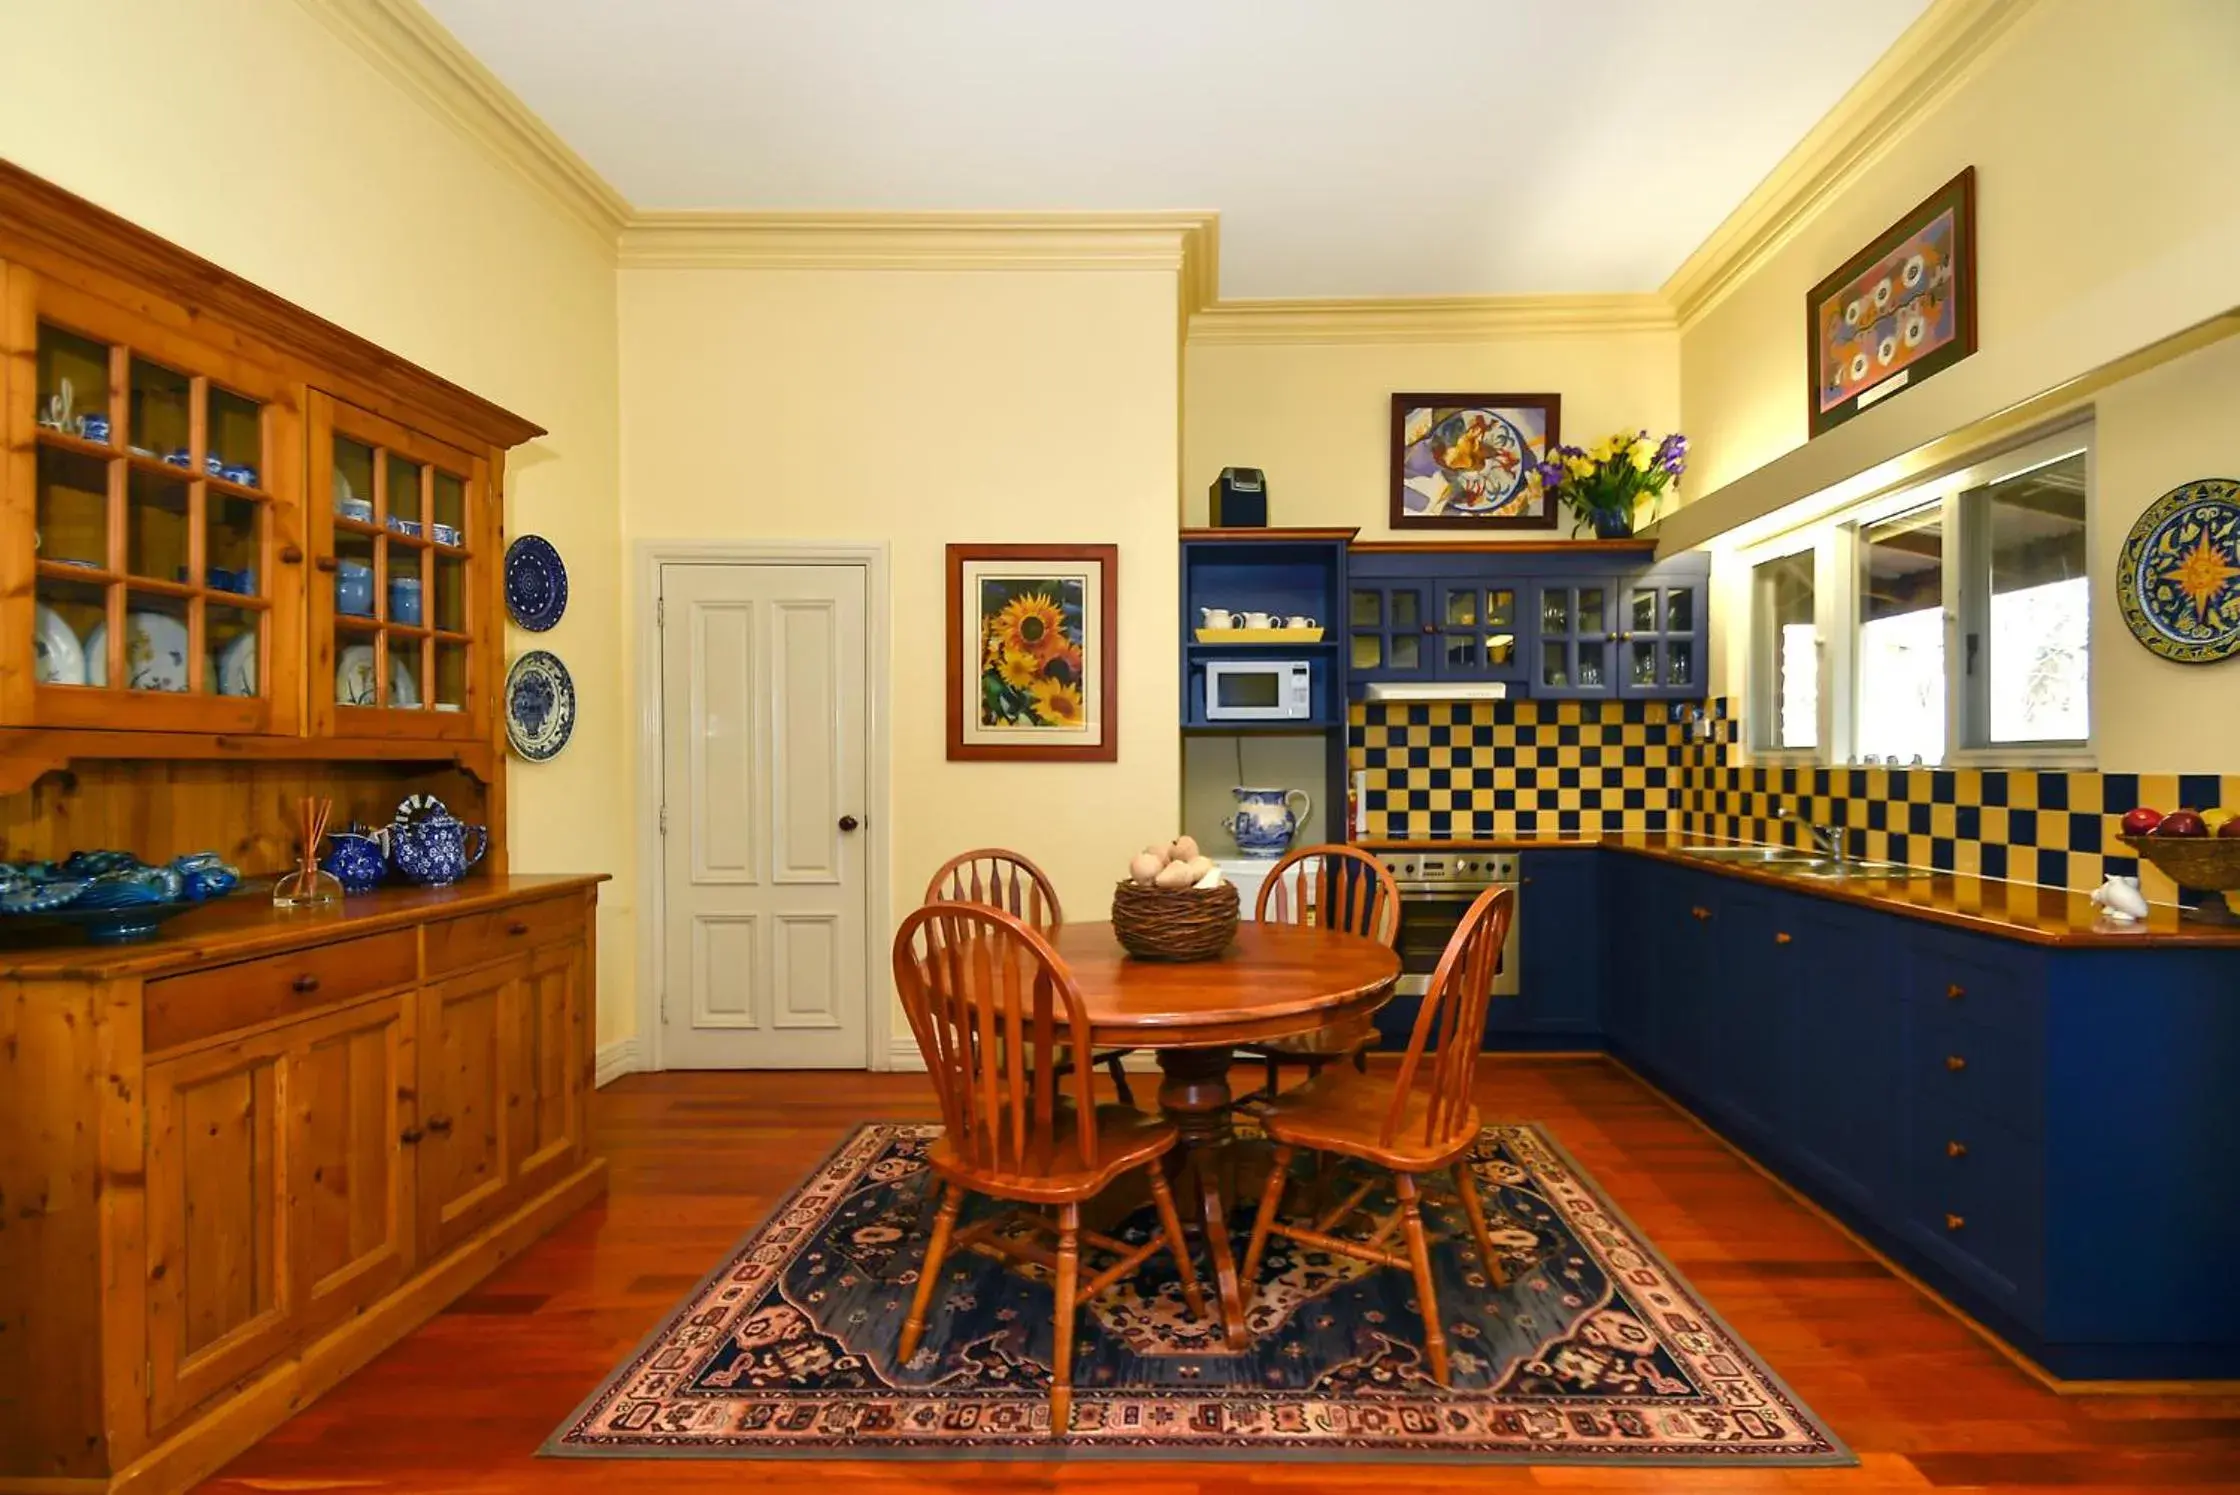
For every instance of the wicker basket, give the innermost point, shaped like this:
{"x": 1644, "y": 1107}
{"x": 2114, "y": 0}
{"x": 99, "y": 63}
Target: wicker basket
{"x": 2209, "y": 864}
{"x": 1174, "y": 923}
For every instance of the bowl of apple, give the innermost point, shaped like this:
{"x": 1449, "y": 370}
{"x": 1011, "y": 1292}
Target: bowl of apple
{"x": 2197, "y": 849}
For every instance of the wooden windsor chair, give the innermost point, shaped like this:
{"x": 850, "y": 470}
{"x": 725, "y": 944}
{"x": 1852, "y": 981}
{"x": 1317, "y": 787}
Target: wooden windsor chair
{"x": 1410, "y": 1129}
{"x": 992, "y": 1007}
{"x": 1336, "y": 887}
{"x": 997, "y": 878}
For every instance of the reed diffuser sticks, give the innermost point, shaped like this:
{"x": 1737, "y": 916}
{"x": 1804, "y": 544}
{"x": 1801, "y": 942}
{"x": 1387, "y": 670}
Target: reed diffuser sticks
{"x": 308, "y": 886}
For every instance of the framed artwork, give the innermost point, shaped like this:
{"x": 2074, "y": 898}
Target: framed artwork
{"x": 1897, "y": 312}
{"x": 1463, "y": 461}
{"x": 1033, "y": 653}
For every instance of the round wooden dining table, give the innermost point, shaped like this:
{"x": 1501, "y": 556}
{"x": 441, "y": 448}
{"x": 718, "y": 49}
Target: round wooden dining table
{"x": 1273, "y": 981}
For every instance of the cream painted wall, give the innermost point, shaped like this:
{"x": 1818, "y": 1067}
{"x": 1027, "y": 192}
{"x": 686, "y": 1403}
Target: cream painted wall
{"x": 921, "y": 408}
{"x": 245, "y": 131}
{"x": 2106, "y": 220}
{"x": 1317, "y": 417}
{"x": 2145, "y": 113}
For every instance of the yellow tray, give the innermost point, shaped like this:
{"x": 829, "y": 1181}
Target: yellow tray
{"x": 1259, "y": 635}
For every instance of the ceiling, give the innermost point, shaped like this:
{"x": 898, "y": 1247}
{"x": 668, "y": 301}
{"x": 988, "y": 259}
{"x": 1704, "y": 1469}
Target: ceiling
{"x": 1351, "y": 147}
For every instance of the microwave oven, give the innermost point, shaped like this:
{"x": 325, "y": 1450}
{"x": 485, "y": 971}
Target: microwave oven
{"x": 1259, "y": 690}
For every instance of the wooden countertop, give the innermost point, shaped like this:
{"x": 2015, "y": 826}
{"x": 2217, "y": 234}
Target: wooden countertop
{"x": 2011, "y": 910}
{"x": 246, "y": 924}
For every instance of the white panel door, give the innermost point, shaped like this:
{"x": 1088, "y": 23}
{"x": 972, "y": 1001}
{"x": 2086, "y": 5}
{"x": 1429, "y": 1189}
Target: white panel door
{"x": 763, "y": 724}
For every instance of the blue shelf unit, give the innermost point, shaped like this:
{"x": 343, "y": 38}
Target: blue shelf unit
{"x": 1284, "y": 573}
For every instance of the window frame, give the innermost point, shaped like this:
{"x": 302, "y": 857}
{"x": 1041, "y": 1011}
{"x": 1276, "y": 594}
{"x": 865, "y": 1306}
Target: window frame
{"x": 1833, "y": 540}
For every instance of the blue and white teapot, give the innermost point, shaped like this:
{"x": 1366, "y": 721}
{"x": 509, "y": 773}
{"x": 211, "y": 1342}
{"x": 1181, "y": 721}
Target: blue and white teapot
{"x": 1264, "y": 823}
{"x": 430, "y": 845}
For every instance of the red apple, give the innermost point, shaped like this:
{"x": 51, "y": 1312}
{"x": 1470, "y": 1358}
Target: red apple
{"x": 2181, "y": 823}
{"x": 2141, "y": 822}
{"x": 2230, "y": 830}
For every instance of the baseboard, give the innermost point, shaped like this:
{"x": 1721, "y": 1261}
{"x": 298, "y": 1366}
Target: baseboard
{"x": 616, "y": 1060}
{"x": 201, "y": 1447}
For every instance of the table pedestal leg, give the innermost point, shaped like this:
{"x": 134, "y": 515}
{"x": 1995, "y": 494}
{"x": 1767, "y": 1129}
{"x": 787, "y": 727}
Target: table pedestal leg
{"x": 1194, "y": 1095}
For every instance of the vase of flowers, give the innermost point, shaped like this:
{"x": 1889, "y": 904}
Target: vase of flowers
{"x": 1603, "y": 485}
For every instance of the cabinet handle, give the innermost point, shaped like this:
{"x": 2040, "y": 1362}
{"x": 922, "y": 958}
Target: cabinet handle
{"x": 1700, "y": 913}
{"x": 1782, "y": 937}
{"x": 517, "y": 928}
{"x": 1956, "y": 1149}
{"x": 1954, "y": 1222}
{"x": 440, "y": 1125}
{"x": 325, "y": 563}
{"x": 306, "y": 984}
{"x": 291, "y": 555}
{"x": 1955, "y": 1063}
{"x": 409, "y": 1135}
{"x": 1955, "y": 992}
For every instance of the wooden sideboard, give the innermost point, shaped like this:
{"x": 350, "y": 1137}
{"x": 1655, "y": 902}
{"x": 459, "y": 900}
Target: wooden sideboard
{"x": 238, "y": 1161}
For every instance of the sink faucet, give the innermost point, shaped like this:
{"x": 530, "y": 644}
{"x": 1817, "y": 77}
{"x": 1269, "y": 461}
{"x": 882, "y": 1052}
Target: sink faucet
{"x": 1828, "y": 840}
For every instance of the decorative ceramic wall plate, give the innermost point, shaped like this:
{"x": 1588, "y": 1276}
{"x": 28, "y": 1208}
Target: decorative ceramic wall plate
{"x": 2179, "y": 582}
{"x": 155, "y": 652}
{"x": 536, "y": 583}
{"x": 540, "y": 705}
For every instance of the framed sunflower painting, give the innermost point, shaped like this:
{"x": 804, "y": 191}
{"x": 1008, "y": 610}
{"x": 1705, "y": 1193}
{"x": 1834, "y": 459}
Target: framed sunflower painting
{"x": 1032, "y": 652}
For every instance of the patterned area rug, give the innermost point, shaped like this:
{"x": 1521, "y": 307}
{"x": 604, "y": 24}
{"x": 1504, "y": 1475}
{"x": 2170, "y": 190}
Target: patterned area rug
{"x": 1596, "y": 1352}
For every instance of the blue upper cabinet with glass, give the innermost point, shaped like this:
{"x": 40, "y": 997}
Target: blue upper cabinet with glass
{"x": 1572, "y": 622}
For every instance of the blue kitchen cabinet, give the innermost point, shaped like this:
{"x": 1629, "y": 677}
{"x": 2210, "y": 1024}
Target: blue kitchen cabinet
{"x": 1479, "y": 629}
{"x": 1628, "y": 633}
{"x": 1662, "y": 639}
{"x": 1574, "y": 637}
{"x": 1842, "y": 1117}
{"x": 1389, "y": 630}
{"x": 1560, "y": 950}
{"x": 1282, "y": 573}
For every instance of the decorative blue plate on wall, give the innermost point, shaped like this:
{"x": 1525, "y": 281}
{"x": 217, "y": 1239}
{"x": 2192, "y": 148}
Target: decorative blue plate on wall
{"x": 536, "y": 583}
{"x": 540, "y": 705}
{"x": 2179, "y": 584}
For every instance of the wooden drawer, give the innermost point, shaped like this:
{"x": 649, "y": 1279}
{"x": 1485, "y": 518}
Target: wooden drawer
{"x": 204, "y": 1004}
{"x": 455, "y": 944}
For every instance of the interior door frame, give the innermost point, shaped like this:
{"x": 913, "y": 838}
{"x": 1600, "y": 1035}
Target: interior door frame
{"x": 872, "y": 559}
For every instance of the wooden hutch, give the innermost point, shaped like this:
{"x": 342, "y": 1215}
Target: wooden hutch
{"x": 246, "y": 557}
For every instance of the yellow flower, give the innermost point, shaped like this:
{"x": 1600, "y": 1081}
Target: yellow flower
{"x": 1579, "y": 466}
{"x": 1031, "y": 625}
{"x": 1019, "y": 671}
{"x": 1600, "y": 451}
{"x": 1642, "y": 455}
{"x": 1057, "y": 703}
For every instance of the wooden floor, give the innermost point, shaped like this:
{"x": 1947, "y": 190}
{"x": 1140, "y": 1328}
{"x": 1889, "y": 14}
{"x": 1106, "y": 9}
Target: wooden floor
{"x": 462, "y": 1404}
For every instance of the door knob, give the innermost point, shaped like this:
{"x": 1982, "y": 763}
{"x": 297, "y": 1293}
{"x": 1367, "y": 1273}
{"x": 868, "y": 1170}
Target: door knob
{"x": 849, "y": 822}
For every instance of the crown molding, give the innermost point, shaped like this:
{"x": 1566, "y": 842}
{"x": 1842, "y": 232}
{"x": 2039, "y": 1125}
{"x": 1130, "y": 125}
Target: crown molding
{"x": 720, "y": 240}
{"x": 1937, "y": 53}
{"x": 1427, "y": 319}
{"x": 414, "y": 51}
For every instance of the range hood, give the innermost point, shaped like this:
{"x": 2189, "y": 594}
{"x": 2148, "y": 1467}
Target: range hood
{"x": 1438, "y": 690}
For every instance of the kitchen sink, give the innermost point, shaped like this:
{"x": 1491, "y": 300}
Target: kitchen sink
{"x": 1789, "y": 861}
{"x": 1854, "y": 869}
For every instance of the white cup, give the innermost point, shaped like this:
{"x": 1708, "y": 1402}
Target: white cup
{"x": 1255, "y": 620}
{"x": 1300, "y": 620}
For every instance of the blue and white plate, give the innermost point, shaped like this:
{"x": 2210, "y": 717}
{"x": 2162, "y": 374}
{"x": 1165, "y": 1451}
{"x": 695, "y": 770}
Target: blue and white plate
{"x": 540, "y": 705}
{"x": 536, "y": 583}
{"x": 2179, "y": 582}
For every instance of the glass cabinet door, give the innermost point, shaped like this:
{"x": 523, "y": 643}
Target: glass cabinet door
{"x": 1660, "y": 644}
{"x": 1478, "y": 630}
{"x": 1573, "y": 639}
{"x": 162, "y": 512}
{"x": 400, "y": 643}
{"x": 1390, "y": 632}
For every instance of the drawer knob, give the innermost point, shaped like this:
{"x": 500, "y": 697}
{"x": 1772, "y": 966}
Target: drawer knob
{"x": 517, "y": 927}
{"x": 1700, "y": 913}
{"x": 409, "y": 1135}
{"x": 1782, "y": 937}
{"x": 440, "y": 1125}
{"x": 1955, "y": 1063}
{"x": 1955, "y": 992}
{"x": 1954, "y": 1222}
{"x": 306, "y": 984}
{"x": 291, "y": 555}
{"x": 1956, "y": 1149}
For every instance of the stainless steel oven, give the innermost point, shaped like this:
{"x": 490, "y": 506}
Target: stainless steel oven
{"x": 1436, "y": 890}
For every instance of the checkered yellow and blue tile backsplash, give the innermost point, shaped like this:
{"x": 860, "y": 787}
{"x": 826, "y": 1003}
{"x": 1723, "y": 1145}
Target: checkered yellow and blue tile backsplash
{"x": 1501, "y": 768}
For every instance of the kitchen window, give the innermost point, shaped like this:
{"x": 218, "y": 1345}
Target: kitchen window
{"x": 1948, "y": 622}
